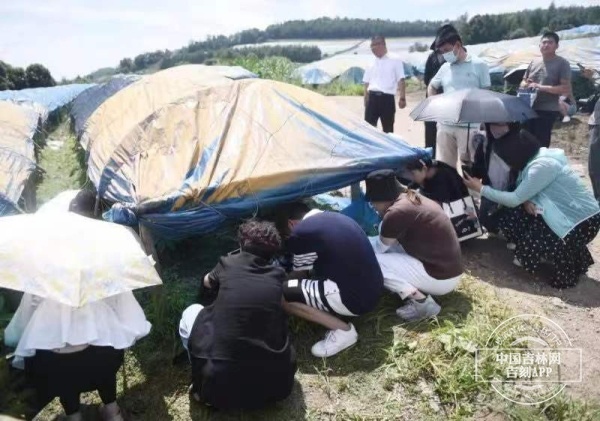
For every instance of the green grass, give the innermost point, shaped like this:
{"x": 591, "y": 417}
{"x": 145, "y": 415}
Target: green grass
{"x": 63, "y": 168}
{"x": 396, "y": 371}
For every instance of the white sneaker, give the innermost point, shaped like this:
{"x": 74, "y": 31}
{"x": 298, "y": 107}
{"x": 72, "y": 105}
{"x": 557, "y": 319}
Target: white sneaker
{"x": 334, "y": 342}
{"x": 566, "y": 119}
{"x": 415, "y": 310}
{"x": 511, "y": 246}
{"x": 517, "y": 263}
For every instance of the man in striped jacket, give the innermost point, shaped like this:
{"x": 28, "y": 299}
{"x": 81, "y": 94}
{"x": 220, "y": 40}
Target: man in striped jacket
{"x": 336, "y": 274}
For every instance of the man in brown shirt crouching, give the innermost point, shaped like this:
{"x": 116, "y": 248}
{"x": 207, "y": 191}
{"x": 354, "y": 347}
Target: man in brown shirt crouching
{"x": 417, "y": 247}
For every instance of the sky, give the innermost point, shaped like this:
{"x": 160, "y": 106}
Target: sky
{"x": 76, "y": 37}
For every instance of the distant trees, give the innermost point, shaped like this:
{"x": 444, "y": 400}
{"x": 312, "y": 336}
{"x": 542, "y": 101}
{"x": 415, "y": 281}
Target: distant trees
{"x": 126, "y": 65}
{"x": 328, "y": 28}
{"x": 295, "y": 53}
{"x": 518, "y": 33}
{"x": 18, "y": 76}
{"x": 478, "y": 29}
{"x": 15, "y": 78}
{"x": 418, "y": 46}
{"x": 38, "y": 76}
{"x": 490, "y": 28}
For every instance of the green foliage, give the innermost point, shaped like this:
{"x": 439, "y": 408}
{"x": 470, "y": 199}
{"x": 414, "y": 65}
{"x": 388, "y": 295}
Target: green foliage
{"x": 146, "y": 60}
{"x": 18, "y": 77}
{"x": 518, "y": 33}
{"x": 295, "y": 53}
{"x": 126, "y": 65}
{"x": 5, "y": 81}
{"x": 336, "y": 88}
{"x": 490, "y": 28}
{"x": 560, "y": 408}
{"x": 331, "y": 28}
{"x": 12, "y": 401}
{"x": 163, "y": 305}
{"x": 38, "y": 76}
{"x": 479, "y": 29}
{"x": 34, "y": 76}
{"x": 418, "y": 46}
{"x": 63, "y": 167}
{"x": 274, "y": 68}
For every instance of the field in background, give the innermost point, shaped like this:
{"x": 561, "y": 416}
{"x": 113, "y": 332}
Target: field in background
{"x": 360, "y": 45}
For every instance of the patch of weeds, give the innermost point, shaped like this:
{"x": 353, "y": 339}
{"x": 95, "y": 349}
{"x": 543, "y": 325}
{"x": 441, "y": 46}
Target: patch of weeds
{"x": 64, "y": 168}
{"x": 14, "y": 398}
{"x": 442, "y": 352}
{"x": 163, "y": 307}
{"x": 560, "y": 408}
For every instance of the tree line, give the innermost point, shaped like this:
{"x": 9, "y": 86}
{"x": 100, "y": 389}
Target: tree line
{"x": 165, "y": 59}
{"x": 33, "y": 76}
{"x": 491, "y": 28}
{"x": 478, "y": 29}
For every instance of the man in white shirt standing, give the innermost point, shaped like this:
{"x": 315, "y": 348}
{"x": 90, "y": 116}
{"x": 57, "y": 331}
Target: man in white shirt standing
{"x": 382, "y": 81}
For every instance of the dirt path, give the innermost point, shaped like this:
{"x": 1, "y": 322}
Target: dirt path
{"x": 576, "y": 310}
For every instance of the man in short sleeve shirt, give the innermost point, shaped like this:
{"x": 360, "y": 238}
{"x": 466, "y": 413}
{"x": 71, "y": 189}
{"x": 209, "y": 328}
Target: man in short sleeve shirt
{"x": 345, "y": 278}
{"x": 382, "y": 81}
{"x": 550, "y": 76}
{"x": 461, "y": 71}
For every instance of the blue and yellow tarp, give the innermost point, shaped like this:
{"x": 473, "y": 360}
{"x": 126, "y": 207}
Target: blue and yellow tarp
{"x": 17, "y": 160}
{"x": 183, "y": 150}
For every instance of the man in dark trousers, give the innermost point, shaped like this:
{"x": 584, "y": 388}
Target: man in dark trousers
{"x": 550, "y": 76}
{"x": 382, "y": 81}
{"x": 432, "y": 65}
{"x": 335, "y": 274}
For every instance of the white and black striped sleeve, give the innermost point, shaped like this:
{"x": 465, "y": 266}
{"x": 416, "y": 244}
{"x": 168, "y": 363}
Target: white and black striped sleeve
{"x": 304, "y": 261}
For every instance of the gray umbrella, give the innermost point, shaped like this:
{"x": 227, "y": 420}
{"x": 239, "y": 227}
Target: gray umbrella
{"x": 473, "y": 106}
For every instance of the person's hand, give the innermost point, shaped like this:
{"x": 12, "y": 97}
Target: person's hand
{"x": 402, "y": 103}
{"x": 473, "y": 183}
{"x": 530, "y": 208}
{"x": 533, "y": 85}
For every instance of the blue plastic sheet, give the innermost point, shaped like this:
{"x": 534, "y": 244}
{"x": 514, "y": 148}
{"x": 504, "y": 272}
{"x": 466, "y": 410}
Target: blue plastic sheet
{"x": 90, "y": 99}
{"x": 50, "y": 98}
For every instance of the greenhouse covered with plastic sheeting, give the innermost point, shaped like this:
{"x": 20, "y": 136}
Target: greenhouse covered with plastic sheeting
{"x": 90, "y": 99}
{"x": 51, "y": 98}
{"x": 18, "y": 126}
{"x": 202, "y": 149}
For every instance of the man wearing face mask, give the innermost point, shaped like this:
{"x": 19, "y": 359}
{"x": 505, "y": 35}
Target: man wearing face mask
{"x": 432, "y": 65}
{"x": 381, "y": 81}
{"x": 461, "y": 71}
{"x": 550, "y": 76}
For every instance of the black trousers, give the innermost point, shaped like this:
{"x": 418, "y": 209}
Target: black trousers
{"x": 68, "y": 375}
{"x": 541, "y": 127}
{"x": 430, "y": 136}
{"x": 382, "y": 107}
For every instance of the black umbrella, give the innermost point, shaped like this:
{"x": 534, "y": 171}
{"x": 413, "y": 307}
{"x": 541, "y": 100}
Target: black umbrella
{"x": 473, "y": 106}
{"x": 515, "y": 76}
